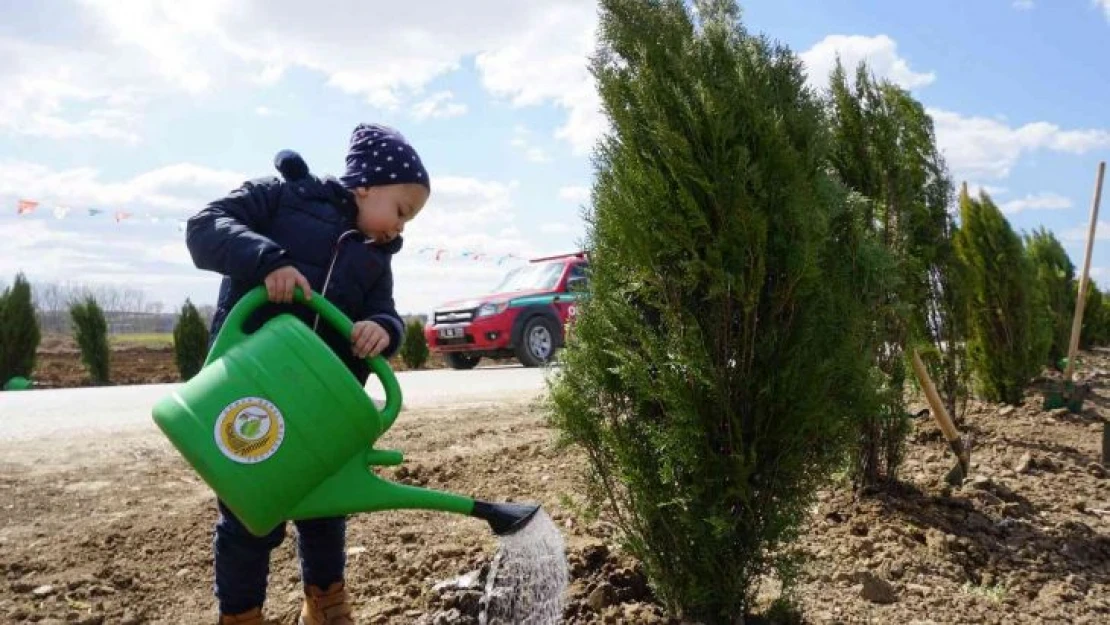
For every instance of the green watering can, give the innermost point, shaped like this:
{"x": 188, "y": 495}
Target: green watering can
{"x": 278, "y": 427}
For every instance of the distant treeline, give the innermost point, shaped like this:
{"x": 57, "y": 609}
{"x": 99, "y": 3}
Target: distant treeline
{"x": 127, "y": 310}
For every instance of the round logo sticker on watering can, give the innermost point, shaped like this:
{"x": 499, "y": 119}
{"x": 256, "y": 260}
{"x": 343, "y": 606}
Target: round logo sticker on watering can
{"x": 249, "y": 430}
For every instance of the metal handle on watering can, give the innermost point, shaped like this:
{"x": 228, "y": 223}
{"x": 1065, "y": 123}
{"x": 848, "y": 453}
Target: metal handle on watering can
{"x": 232, "y": 333}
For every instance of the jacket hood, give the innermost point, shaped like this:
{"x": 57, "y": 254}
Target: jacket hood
{"x": 294, "y": 170}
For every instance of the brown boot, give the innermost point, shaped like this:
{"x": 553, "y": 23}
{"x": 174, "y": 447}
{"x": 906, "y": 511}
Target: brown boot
{"x": 326, "y": 607}
{"x": 250, "y": 617}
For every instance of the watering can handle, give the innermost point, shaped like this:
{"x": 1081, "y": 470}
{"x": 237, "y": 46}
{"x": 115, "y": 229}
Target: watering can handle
{"x": 232, "y": 333}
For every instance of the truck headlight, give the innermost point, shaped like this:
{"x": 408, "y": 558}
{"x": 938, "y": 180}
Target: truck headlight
{"x": 491, "y": 308}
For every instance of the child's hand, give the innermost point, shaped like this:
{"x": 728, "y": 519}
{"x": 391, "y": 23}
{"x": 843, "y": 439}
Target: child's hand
{"x": 368, "y": 339}
{"x": 281, "y": 281}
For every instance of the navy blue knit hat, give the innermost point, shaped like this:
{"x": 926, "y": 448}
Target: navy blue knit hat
{"x": 380, "y": 155}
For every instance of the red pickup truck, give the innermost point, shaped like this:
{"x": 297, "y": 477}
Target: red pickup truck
{"x": 524, "y": 317}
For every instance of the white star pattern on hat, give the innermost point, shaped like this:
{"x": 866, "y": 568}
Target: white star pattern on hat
{"x": 370, "y": 160}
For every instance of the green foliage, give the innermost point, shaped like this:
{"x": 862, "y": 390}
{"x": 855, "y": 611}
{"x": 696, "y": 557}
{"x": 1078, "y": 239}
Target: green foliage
{"x": 19, "y": 331}
{"x": 1004, "y": 349}
{"x": 1095, "y": 330}
{"x": 1055, "y": 280}
{"x": 91, "y": 332}
{"x": 884, "y": 148}
{"x": 190, "y": 341}
{"x": 414, "y": 350}
{"x": 714, "y": 373}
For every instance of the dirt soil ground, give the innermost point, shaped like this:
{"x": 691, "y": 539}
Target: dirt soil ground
{"x": 58, "y": 364}
{"x": 118, "y": 530}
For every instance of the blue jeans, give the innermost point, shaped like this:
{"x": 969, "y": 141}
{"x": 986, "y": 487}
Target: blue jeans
{"x": 243, "y": 560}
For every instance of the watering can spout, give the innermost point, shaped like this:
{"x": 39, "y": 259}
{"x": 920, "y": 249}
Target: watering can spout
{"x": 357, "y": 489}
{"x": 504, "y": 518}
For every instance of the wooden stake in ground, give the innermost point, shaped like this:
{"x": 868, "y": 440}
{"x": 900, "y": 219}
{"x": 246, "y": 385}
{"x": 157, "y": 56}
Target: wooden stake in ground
{"x": 1081, "y": 301}
{"x": 940, "y": 413}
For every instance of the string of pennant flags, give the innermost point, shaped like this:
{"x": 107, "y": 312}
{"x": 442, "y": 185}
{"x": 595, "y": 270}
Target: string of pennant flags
{"x": 441, "y": 254}
{"x": 27, "y": 207}
{"x": 434, "y": 253}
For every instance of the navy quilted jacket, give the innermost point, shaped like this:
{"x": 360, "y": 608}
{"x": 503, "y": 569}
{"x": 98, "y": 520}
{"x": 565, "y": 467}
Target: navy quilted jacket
{"x": 307, "y": 222}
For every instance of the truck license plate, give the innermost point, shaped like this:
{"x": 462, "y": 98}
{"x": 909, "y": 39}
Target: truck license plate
{"x": 450, "y": 333}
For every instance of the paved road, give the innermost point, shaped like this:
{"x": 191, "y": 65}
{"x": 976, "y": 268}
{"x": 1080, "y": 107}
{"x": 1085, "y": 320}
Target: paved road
{"x": 30, "y": 415}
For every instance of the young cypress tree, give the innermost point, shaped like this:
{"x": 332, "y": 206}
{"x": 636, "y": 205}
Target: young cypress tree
{"x": 1096, "y": 318}
{"x": 715, "y": 370}
{"x": 885, "y": 149}
{"x": 414, "y": 349}
{"x": 1003, "y": 347}
{"x": 1055, "y": 279}
{"x": 19, "y": 331}
{"x": 190, "y": 341}
{"x": 91, "y": 330}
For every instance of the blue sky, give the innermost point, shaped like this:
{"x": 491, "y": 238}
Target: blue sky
{"x": 154, "y": 110}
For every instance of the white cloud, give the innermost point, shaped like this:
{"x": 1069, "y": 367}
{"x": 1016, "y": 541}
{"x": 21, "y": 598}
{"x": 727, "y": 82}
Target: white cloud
{"x": 546, "y": 60}
{"x": 439, "y": 105}
{"x": 63, "y": 94}
{"x": 1025, "y": 5}
{"x": 172, "y": 35}
{"x": 574, "y": 194}
{"x": 1079, "y": 232}
{"x": 981, "y": 147}
{"x": 522, "y": 141}
{"x": 148, "y": 257}
{"x": 174, "y": 190}
{"x": 62, "y": 242}
{"x": 556, "y": 228}
{"x": 265, "y": 111}
{"x": 1040, "y": 201}
{"x": 975, "y": 188}
{"x": 463, "y": 211}
{"x": 879, "y": 52}
{"x": 1105, "y": 4}
{"x": 533, "y": 53}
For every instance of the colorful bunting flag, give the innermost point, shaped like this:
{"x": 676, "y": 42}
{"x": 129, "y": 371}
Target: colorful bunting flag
{"x": 438, "y": 254}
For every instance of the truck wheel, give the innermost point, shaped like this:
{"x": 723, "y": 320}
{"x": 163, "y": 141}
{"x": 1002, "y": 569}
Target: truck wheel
{"x": 537, "y": 342}
{"x": 457, "y": 360}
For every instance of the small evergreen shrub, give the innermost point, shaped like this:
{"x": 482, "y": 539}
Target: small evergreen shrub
{"x": 190, "y": 341}
{"x": 91, "y": 332}
{"x": 414, "y": 350}
{"x": 1055, "y": 280}
{"x": 720, "y": 362}
{"x": 1095, "y": 331}
{"x": 1004, "y": 349}
{"x": 19, "y": 331}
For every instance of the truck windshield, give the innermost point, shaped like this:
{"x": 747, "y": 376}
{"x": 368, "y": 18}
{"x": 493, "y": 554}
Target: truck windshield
{"x": 541, "y": 277}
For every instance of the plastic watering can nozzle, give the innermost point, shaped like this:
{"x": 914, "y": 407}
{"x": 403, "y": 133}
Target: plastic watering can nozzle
{"x": 504, "y": 518}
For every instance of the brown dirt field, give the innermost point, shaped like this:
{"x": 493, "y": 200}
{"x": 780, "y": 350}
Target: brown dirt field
{"x": 58, "y": 364}
{"x": 119, "y": 530}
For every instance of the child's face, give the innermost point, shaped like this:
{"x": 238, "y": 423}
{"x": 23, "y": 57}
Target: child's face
{"x": 384, "y": 210}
